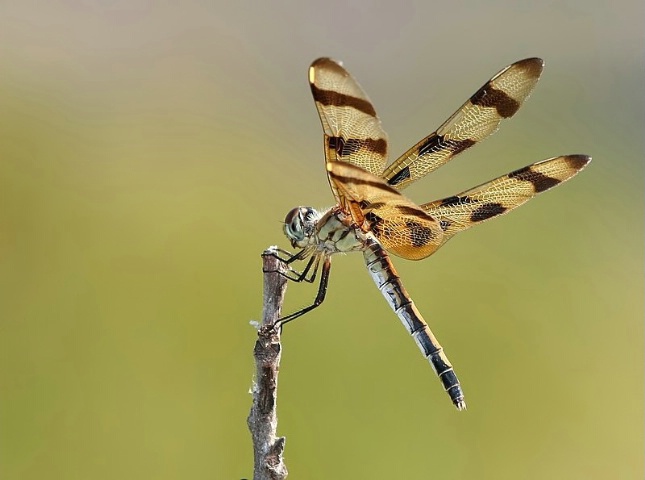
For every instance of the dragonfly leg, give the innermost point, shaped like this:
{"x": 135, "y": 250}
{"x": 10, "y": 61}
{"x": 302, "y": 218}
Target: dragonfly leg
{"x": 302, "y": 276}
{"x": 320, "y": 296}
{"x": 292, "y": 274}
{"x": 288, "y": 256}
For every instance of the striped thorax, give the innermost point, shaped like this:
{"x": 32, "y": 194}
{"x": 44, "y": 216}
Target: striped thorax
{"x": 327, "y": 233}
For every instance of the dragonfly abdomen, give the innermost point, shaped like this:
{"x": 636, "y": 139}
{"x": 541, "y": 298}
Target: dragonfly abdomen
{"x": 389, "y": 283}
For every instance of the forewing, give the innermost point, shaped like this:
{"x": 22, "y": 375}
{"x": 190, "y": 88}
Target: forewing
{"x": 353, "y": 131}
{"x": 478, "y": 118}
{"x": 503, "y": 194}
{"x": 400, "y": 225}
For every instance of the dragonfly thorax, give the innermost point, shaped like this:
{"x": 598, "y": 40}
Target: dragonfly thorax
{"x": 327, "y": 232}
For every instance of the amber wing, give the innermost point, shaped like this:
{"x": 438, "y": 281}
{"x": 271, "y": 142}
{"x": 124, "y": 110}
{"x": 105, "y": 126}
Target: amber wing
{"x": 500, "y": 196}
{"x": 400, "y": 225}
{"x": 352, "y": 130}
{"x": 479, "y": 117}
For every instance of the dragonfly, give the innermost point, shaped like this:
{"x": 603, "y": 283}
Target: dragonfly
{"x": 371, "y": 214}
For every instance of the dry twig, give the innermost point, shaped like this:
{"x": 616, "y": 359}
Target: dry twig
{"x": 263, "y": 420}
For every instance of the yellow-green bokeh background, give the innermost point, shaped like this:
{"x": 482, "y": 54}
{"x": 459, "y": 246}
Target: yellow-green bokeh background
{"x": 148, "y": 153}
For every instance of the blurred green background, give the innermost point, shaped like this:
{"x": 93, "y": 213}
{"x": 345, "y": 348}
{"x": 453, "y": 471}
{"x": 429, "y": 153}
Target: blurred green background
{"x": 148, "y": 154}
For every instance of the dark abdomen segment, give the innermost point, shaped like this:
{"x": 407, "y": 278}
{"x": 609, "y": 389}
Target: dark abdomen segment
{"x": 389, "y": 283}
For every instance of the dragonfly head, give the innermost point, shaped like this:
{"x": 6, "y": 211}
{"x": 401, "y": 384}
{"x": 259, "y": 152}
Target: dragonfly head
{"x": 300, "y": 226}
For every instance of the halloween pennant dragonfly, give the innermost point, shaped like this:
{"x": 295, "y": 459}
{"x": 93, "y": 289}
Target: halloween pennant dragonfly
{"x": 371, "y": 214}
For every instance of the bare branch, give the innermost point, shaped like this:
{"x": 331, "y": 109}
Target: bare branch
{"x": 263, "y": 420}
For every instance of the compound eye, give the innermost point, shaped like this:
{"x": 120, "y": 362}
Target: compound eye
{"x": 293, "y": 226}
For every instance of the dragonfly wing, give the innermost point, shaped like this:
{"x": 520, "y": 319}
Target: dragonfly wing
{"x": 352, "y": 130}
{"x": 500, "y": 196}
{"x": 478, "y": 118}
{"x": 401, "y": 226}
